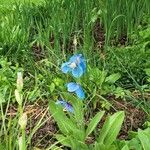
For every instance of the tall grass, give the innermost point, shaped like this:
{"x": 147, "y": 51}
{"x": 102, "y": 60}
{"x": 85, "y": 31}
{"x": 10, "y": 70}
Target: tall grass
{"x": 122, "y": 17}
{"x": 49, "y": 29}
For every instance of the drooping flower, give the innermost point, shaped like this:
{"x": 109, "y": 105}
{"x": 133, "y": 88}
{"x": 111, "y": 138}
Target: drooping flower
{"x": 76, "y": 65}
{"x": 67, "y": 106}
{"x": 76, "y": 88}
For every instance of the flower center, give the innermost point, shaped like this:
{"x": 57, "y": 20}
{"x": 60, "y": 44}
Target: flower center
{"x": 73, "y": 65}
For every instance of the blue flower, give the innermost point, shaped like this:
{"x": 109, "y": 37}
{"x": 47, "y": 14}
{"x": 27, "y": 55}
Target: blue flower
{"x": 76, "y": 88}
{"x": 76, "y": 65}
{"x": 67, "y": 106}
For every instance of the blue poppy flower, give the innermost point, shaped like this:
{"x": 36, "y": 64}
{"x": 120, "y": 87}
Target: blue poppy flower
{"x": 76, "y": 65}
{"x": 76, "y": 88}
{"x": 67, "y": 106}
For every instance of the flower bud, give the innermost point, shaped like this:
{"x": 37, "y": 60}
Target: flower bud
{"x": 19, "y": 81}
{"x": 18, "y": 97}
{"x": 23, "y": 121}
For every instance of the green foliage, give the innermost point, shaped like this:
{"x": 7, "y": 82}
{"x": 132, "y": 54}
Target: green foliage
{"x": 74, "y": 131}
{"x": 138, "y": 140}
{"x": 144, "y": 139}
{"x": 42, "y": 30}
{"x": 111, "y": 128}
{"x": 93, "y": 123}
{"x": 131, "y": 60}
{"x": 7, "y": 78}
{"x": 148, "y": 74}
{"x": 122, "y": 17}
{"x": 7, "y": 73}
{"x": 100, "y": 80}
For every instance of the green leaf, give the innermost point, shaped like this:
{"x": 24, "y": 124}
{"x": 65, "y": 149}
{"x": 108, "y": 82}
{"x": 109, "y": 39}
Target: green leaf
{"x": 148, "y": 79}
{"x": 100, "y": 146}
{"x": 111, "y": 128}
{"x": 56, "y": 148}
{"x": 145, "y": 139}
{"x": 97, "y": 76}
{"x": 2, "y": 99}
{"x": 94, "y": 122}
{"x": 125, "y": 148}
{"x": 63, "y": 140}
{"x": 113, "y": 78}
{"x": 52, "y": 87}
{"x": 147, "y": 71}
{"x": 79, "y": 134}
{"x": 134, "y": 143}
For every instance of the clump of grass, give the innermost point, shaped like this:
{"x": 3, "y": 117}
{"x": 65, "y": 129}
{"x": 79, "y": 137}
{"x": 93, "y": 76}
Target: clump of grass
{"x": 51, "y": 26}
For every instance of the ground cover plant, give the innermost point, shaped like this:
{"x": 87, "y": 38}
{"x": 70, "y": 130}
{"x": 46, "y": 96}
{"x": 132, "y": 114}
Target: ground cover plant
{"x": 74, "y": 75}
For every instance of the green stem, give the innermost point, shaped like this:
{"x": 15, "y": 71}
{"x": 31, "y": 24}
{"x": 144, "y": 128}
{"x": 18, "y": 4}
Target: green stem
{"x": 20, "y": 110}
{"x": 23, "y": 140}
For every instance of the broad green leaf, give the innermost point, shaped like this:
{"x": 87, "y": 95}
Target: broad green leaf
{"x": 63, "y": 140}
{"x": 125, "y": 148}
{"x": 147, "y": 131}
{"x": 145, "y": 139}
{"x": 113, "y": 78}
{"x": 79, "y": 134}
{"x": 111, "y": 128}
{"x": 100, "y": 146}
{"x": 134, "y": 143}
{"x": 71, "y": 142}
{"x": 120, "y": 143}
{"x": 94, "y": 122}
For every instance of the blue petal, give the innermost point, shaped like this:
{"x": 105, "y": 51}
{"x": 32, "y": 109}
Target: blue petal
{"x": 65, "y": 67}
{"x": 69, "y": 108}
{"x": 72, "y": 86}
{"x": 83, "y": 65}
{"x": 77, "y": 71}
{"x": 61, "y": 102}
{"x": 80, "y": 93}
{"x": 74, "y": 57}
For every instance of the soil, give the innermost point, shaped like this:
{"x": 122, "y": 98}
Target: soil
{"x": 44, "y": 135}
